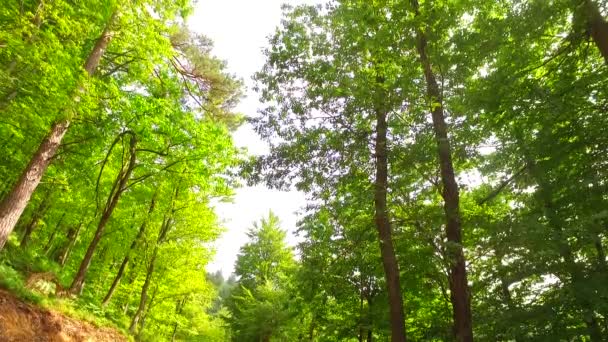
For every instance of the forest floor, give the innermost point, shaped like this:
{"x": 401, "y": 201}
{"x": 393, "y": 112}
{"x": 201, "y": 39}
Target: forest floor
{"x": 23, "y": 322}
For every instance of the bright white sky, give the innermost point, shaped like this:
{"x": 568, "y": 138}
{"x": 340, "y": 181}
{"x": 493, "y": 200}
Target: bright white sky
{"x": 239, "y": 29}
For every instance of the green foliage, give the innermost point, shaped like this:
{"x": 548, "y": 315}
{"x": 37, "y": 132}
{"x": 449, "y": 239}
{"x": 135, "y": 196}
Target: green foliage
{"x": 158, "y": 86}
{"x": 262, "y": 305}
{"x": 522, "y": 84}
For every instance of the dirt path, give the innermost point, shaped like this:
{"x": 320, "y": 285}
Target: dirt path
{"x": 22, "y": 322}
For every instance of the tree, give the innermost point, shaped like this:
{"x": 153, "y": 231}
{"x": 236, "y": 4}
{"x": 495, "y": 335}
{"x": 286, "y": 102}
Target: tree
{"x": 459, "y": 287}
{"x": 155, "y": 116}
{"x": 452, "y": 153}
{"x": 260, "y": 305}
{"x": 15, "y": 201}
{"x": 333, "y": 99}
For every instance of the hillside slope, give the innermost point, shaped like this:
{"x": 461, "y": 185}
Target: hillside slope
{"x": 22, "y": 322}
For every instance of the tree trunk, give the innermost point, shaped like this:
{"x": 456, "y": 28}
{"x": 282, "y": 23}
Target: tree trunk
{"x": 116, "y": 281}
{"x": 174, "y": 332}
{"x": 125, "y": 261}
{"x": 459, "y": 289}
{"x": 14, "y": 203}
{"x": 597, "y": 27}
{"x": 370, "y": 319}
{"x": 113, "y": 197}
{"x": 144, "y": 292}
{"x": 383, "y": 226}
{"x": 162, "y": 234}
{"x": 72, "y": 236}
{"x": 49, "y": 243}
{"x": 148, "y": 307}
{"x": 361, "y": 318}
{"x": 178, "y": 310}
{"x": 311, "y": 330}
{"x": 37, "y": 215}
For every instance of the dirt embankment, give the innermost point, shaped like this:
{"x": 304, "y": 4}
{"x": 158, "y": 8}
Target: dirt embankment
{"x": 22, "y": 322}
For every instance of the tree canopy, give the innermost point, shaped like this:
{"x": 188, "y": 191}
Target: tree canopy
{"x": 453, "y": 155}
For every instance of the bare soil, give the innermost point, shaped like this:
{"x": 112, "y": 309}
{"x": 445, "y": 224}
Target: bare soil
{"x": 23, "y": 322}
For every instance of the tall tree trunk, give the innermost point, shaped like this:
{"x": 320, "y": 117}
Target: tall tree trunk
{"x": 131, "y": 277}
{"x": 144, "y": 315}
{"x": 597, "y": 27}
{"x": 459, "y": 289}
{"x": 174, "y": 332}
{"x": 361, "y": 316}
{"x": 383, "y": 226}
{"x": 37, "y": 215}
{"x": 16, "y": 200}
{"x": 49, "y": 244}
{"x": 311, "y": 329}
{"x": 144, "y": 292}
{"x": 72, "y": 237}
{"x": 125, "y": 261}
{"x": 370, "y": 319}
{"x": 178, "y": 310}
{"x": 162, "y": 234}
{"x": 14, "y": 203}
{"x": 116, "y": 280}
{"x": 113, "y": 197}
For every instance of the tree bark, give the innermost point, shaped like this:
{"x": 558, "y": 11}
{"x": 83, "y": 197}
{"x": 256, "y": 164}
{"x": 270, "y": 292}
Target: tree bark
{"x": 311, "y": 330}
{"x": 144, "y": 292}
{"x": 116, "y": 280}
{"x": 12, "y": 206}
{"x": 49, "y": 244}
{"x": 144, "y": 315}
{"x": 174, "y": 332}
{"x": 383, "y": 226}
{"x": 125, "y": 261}
{"x": 113, "y": 197}
{"x": 597, "y": 27}
{"x": 72, "y": 236}
{"x": 178, "y": 310}
{"x": 370, "y": 318}
{"x": 361, "y": 317}
{"x": 162, "y": 234}
{"x": 459, "y": 289}
{"x": 37, "y": 215}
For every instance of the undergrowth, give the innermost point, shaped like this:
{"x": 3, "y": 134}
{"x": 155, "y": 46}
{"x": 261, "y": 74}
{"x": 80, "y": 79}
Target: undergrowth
{"x": 16, "y": 264}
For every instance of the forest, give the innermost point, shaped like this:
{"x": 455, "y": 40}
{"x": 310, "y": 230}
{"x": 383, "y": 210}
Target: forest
{"x": 453, "y": 154}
